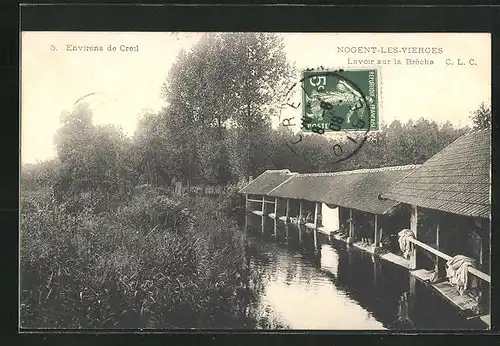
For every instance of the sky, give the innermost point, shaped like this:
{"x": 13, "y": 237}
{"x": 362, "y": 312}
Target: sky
{"x": 55, "y": 74}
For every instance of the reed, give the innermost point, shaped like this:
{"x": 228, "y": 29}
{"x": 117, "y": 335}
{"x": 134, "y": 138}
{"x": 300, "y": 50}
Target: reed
{"x": 156, "y": 261}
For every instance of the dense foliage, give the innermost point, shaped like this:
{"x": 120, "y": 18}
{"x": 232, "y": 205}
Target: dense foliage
{"x": 156, "y": 262}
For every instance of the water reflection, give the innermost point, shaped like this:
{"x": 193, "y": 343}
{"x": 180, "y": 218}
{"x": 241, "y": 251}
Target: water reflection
{"x": 403, "y": 321}
{"x": 304, "y": 282}
{"x": 294, "y": 291}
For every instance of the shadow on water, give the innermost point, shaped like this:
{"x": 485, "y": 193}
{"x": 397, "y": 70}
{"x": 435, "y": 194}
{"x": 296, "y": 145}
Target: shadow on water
{"x": 303, "y": 285}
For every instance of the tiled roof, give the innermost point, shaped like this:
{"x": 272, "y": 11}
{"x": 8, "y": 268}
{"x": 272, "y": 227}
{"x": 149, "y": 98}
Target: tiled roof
{"x": 359, "y": 189}
{"x": 455, "y": 180}
{"x": 266, "y": 182}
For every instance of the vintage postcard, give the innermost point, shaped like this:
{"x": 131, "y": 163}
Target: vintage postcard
{"x": 253, "y": 180}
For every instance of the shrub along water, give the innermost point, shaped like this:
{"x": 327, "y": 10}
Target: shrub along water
{"x": 156, "y": 261}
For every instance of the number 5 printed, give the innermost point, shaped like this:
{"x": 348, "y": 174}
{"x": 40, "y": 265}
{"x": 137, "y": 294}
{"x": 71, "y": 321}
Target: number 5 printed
{"x": 319, "y": 82}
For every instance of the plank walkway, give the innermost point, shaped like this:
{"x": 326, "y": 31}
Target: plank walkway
{"x": 309, "y": 225}
{"x": 366, "y": 248}
{"x": 323, "y": 231}
{"x": 486, "y": 319}
{"x": 450, "y": 292}
{"x": 390, "y": 257}
{"x": 464, "y": 302}
{"x": 422, "y": 274}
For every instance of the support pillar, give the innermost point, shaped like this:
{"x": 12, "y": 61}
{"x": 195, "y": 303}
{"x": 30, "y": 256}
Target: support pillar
{"x": 350, "y": 239}
{"x": 287, "y": 213}
{"x": 315, "y": 235}
{"x": 263, "y": 214}
{"x": 315, "y": 231}
{"x": 413, "y": 227}
{"x": 301, "y": 210}
{"x": 377, "y": 246}
{"x": 276, "y": 208}
{"x": 439, "y": 263}
{"x": 412, "y": 296}
{"x": 316, "y": 209}
{"x": 246, "y": 202}
{"x": 263, "y": 223}
{"x": 437, "y": 245}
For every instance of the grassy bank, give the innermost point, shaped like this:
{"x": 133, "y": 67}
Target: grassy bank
{"x": 157, "y": 261}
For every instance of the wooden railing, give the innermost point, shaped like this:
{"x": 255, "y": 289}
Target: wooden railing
{"x": 446, "y": 257}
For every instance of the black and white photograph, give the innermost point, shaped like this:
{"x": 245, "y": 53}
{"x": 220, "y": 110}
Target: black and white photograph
{"x": 255, "y": 181}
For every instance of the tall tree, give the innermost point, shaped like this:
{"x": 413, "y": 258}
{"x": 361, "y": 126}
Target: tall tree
{"x": 223, "y": 92}
{"x": 481, "y": 117}
{"x": 91, "y": 156}
{"x": 153, "y": 150}
{"x": 261, "y": 74}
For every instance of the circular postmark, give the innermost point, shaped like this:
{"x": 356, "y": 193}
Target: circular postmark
{"x": 336, "y": 101}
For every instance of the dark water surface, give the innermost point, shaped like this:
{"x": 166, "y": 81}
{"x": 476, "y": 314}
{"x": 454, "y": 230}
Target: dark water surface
{"x": 335, "y": 287}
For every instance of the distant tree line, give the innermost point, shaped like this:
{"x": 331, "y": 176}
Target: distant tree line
{"x": 216, "y": 128}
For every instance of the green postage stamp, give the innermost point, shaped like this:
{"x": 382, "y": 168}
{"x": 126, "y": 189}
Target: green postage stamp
{"x": 340, "y": 100}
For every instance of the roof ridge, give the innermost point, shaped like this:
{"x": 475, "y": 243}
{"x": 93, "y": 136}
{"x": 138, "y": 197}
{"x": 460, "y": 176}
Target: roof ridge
{"x": 363, "y": 170}
{"x": 473, "y": 131}
{"x": 278, "y": 171}
{"x": 293, "y": 175}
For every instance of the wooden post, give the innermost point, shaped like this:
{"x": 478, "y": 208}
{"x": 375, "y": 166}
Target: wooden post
{"x": 246, "y": 202}
{"x": 300, "y": 233}
{"x": 350, "y": 239}
{"x": 482, "y": 247}
{"x": 301, "y": 210}
{"x": 276, "y": 208}
{"x": 263, "y": 205}
{"x": 437, "y": 245}
{"x": 413, "y": 227}
{"x": 287, "y": 215}
{"x": 412, "y": 296}
{"x": 351, "y": 229}
{"x": 315, "y": 231}
{"x": 439, "y": 264}
{"x": 375, "y": 237}
{"x": 316, "y": 215}
{"x": 481, "y": 256}
{"x": 246, "y": 222}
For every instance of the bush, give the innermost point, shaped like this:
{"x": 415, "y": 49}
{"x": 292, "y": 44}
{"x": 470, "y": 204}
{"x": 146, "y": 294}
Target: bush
{"x": 233, "y": 203}
{"x": 155, "y": 263}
